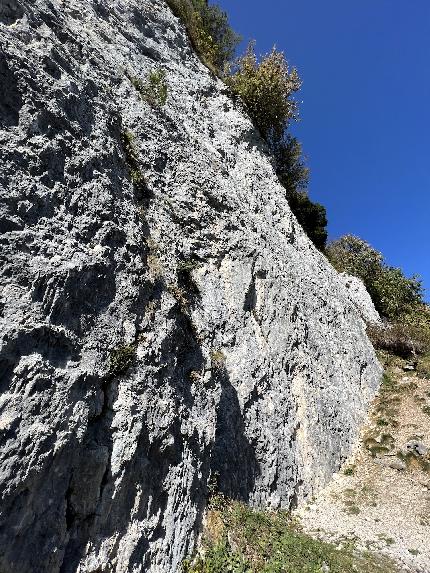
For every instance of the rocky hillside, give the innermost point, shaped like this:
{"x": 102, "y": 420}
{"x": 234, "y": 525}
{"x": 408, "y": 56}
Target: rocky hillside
{"x": 165, "y": 322}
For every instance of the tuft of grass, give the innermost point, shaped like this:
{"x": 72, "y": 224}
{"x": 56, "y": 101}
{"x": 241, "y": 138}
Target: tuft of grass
{"x": 241, "y": 540}
{"x": 387, "y": 540}
{"x": 131, "y": 157}
{"x": 154, "y": 90}
{"x": 121, "y": 359}
{"x": 376, "y": 445}
{"x": 349, "y": 471}
{"x": 180, "y": 295}
{"x": 217, "y": 359}
{"x": 195, "y": 376}
{"x": 352, "y": 509}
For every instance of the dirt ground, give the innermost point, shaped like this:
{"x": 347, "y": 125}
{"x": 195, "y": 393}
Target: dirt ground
{"x": 381, "y": 497}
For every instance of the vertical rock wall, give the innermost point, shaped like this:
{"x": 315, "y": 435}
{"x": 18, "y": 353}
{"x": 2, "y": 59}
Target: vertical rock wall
{"x": 158, "y": 331}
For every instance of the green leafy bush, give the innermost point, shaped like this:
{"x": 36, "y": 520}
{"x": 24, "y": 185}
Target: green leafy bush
{"x": 352, "y": 255}
{"x": 311, "y": 216}
{"x": 392, "y": 293}
{"x": 209, "y": 31}
{"x": 294, "y": 176}
{"x": 266, "y": 88}
{"x": 290, "y": 166}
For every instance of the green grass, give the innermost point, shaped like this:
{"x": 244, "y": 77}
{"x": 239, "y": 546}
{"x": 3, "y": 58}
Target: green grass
{"x": 381, "y": 444}
{"x": 349, "y": 471}
{"x": 423, "y": 367}
{"x": 240, "y": 540}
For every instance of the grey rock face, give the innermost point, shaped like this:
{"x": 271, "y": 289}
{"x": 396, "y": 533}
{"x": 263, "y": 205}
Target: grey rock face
{"x": 415, "y": 447}
{"x": 155, "y": 333}
{"x": 359, "y": 296}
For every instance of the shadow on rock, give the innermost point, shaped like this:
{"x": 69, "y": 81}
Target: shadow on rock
{"x": 234, "y": 462}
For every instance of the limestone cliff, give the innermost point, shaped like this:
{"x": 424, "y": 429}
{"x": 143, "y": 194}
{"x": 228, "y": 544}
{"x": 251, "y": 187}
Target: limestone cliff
{"x": 163, "y": 316}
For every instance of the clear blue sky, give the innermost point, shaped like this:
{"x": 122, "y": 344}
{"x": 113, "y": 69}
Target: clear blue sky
{"x": 365, "y": 116}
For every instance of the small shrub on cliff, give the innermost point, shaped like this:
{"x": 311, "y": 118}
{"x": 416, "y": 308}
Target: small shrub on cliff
{"x": 209, "y": 31}
{"x": 290, "y": 166}
{"x": 127, "y": 140}
{"x": 266, "y": 88}
{"x": 311, "y": 216}
{"x": 154, "y": 90}
{"x": 121, "y": 359}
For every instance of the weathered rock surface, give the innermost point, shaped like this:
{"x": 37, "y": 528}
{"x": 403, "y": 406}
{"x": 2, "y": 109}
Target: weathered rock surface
{"x": 359, "y": 296}
{"x": 151, "y": 334}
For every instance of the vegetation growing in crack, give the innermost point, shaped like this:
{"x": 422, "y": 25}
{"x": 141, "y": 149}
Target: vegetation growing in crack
{"x": 131, "y": 157}
{"x": 121, "y": 359}
{"x": 217, "y": 359}
{"x": 154, "y": 89}
{"x": 186, "y": 290}
{"x": 243, "y": 540}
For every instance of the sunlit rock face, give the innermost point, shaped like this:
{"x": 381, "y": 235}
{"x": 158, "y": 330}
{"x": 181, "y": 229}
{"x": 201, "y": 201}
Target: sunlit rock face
{"x": 158, "y": 333}
{"x": 361, "y": 299}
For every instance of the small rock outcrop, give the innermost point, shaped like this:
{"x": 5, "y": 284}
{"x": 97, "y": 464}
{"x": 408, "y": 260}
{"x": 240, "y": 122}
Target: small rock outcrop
{"x": 164, "y": 318}
{"x": 359, "y": 296}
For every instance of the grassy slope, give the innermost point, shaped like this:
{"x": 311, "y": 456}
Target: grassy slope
{"x": 240, "y": 540}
